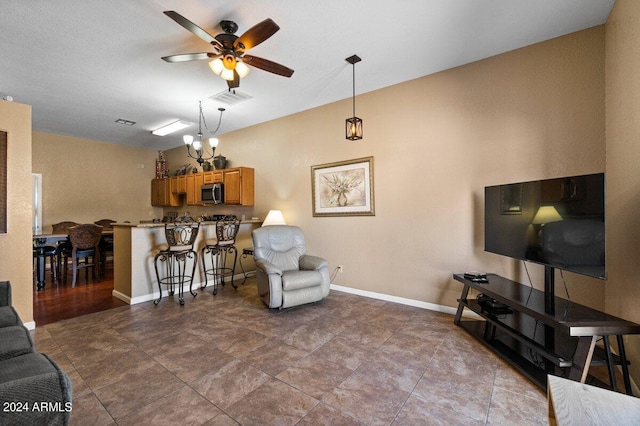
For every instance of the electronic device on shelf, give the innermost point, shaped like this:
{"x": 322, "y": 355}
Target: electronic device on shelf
{"x": 476, "y": 277}
{"x": 492, "y": 306}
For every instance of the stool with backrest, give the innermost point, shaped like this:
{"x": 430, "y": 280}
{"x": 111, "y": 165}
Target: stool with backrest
{"x": 106, "y": 242}
{"x": 85, "y": 252}
{"x": 173, "y": 258}
{"x": 218, "y": 249}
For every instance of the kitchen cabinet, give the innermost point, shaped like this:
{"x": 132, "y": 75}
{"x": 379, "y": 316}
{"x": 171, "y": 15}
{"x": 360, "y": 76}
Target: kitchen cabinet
{"x": 194, "y": 182}
{"x": 178, "y": 184}
{"x": 239, "y": 186}
{"x": 213, "y": 176}
{"x": 161, "y": 194}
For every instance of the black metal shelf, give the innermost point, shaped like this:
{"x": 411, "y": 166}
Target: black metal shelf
{"x": 537, "y": 340}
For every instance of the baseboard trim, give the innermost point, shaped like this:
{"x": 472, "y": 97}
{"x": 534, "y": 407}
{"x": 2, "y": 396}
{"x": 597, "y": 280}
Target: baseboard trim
{"x": 152, "y": 296}
{"x": 403, "y": 301}
{"x": 31, "y": 325}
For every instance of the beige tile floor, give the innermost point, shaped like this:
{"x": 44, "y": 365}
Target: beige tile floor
{"x": 227, "y": 360}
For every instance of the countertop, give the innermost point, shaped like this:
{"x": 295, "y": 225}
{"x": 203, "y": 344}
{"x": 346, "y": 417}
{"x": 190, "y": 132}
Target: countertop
{"x": 161, "y": 224}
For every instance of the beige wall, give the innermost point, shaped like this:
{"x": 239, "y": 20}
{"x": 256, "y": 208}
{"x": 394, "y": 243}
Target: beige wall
{"x": 16, "y": 245}
{"x": 85, "y": 180}
{"x": 533, "y": 113}
{"x": 623, "y": 178}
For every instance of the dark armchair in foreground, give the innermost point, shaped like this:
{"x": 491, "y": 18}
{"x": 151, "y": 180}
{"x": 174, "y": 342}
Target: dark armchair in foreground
{"x": 286, "y": 275}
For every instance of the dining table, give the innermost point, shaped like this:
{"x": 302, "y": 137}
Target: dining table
{"x": 40, "y": 240}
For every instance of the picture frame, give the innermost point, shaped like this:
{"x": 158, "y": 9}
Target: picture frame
{"x": 343, "y": 188}
{"x": 511, "y": 199}
{"x": 3, "y": 182}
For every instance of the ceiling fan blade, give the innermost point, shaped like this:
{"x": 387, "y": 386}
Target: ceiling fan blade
{"x": 256, "y": 34}
{"x": 184, "y": 57}
{"x": 190, "y": 26}
{"x": 267, "y": 65}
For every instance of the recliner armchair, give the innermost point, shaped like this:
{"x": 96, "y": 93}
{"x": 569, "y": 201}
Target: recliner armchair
{"x": 286, "y": 275}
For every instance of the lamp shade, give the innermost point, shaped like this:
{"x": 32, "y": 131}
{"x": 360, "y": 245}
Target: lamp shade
{"x": 242, "y": 69}
{"x": 546, "y": 214}
{"x": 274, "y": 217}
{"x": 216, "y": 66}
{"x": 354, "y": 128}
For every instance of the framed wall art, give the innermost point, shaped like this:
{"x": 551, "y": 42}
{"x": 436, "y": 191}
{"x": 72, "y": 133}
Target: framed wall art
{"x": 511, "y": 198}
{"x": 3, "y": 182}
{"x": 344, "y": 188}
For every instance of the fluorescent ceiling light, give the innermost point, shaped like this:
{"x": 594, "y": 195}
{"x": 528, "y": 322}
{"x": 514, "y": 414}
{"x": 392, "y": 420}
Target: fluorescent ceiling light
{"x": 172, "y": 127}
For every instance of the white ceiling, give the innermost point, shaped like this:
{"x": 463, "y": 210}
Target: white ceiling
{"x": 84, "y": 64}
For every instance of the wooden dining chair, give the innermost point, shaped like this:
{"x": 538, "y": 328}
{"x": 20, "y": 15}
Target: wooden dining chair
{"x": 106, "y": 242}
{"x": 63, "y": 248}
{"x": 85, "y": 252}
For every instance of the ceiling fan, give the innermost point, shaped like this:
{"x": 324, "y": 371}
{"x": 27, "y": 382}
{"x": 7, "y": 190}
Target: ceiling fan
{"x": 229, "y": 59}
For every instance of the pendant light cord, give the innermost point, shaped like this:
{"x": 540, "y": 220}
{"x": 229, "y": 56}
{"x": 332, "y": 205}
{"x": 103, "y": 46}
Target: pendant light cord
{"x": 205, "y": 121}
{"x": 353, "y": 66}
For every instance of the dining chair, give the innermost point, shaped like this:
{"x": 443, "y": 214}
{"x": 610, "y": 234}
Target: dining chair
{"x": 85, "y": 241}
{"x": 63, "y": 248}
{"x": 40, "y": 253}
{"x": 106, "y": 242}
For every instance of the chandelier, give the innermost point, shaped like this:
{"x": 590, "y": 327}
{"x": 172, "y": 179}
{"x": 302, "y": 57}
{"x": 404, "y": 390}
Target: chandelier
{"x": 195, "y": 148}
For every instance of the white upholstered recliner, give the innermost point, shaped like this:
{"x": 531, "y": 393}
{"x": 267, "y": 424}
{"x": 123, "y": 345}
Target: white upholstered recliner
{"x": 286, "y": 275}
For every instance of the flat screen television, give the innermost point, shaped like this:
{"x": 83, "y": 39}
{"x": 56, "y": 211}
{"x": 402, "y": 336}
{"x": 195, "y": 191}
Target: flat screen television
{"x": 558, "y": 223}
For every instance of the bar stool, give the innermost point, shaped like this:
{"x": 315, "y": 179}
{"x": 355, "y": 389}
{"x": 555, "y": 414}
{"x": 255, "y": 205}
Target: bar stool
{"x": 180, "y": 235}
{"x": 218, "y": 249}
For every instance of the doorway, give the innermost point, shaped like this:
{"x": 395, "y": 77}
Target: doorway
{"x": 59, "y": 301}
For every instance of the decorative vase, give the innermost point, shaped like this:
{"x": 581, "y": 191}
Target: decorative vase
{"x": 220, "y": 162}
{"x": 206, "y": 166}
{"x": 342, "y": 199}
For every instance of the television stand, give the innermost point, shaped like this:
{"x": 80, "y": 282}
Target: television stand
{"x": 538, "y": 341}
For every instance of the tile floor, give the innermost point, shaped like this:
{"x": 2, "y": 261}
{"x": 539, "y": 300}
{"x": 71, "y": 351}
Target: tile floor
{"x": 227, "y": 360}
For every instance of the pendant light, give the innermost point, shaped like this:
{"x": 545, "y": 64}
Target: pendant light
{"x": 354, "y": 124}
{"x": 197, "y": 145}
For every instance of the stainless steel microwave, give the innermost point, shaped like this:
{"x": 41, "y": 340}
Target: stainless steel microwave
{"x": 213, "y": 193}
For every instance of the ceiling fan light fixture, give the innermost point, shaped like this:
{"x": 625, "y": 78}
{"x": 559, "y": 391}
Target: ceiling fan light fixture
{"x": 230, "y": 49}
{"x": 229, "y": 61}
{"x": 216, "y": 66}
{"x": 242, "y": 69}
{"x": 227, "y": 74}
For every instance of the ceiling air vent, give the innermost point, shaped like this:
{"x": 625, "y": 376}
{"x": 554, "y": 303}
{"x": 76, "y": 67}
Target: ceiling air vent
{"x": 230, "y": 97}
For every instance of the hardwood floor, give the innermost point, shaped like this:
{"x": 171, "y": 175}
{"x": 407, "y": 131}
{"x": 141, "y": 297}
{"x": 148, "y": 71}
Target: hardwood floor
{"x": 59, "y": 301}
